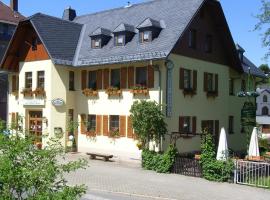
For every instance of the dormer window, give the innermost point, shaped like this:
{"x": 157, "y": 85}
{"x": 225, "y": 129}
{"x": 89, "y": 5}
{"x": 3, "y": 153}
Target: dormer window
{"x": 149, "y": 30}
{"x": 123, "y": 34}
{"x": 120, "y": 40}
{"x": 96, "y": 43}
{"x": 100, "y": 37}
{"x": 34, "y": 44}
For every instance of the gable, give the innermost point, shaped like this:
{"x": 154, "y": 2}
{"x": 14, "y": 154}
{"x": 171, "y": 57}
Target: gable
{"x": 210, "y": 21}
{"x": 20, "y": 48}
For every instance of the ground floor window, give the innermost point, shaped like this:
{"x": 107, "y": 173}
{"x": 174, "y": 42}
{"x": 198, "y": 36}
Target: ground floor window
{"x": 91, "y": 123}
{"x": 114, "y": 122}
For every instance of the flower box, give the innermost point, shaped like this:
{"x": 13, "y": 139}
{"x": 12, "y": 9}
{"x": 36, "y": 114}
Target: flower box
{"x": 15, "y": 93}
{"x": 90, "y": 92}
{"x": 39, "y": 92}
{"x": 114, "y": 133}
{"x": 91, "y": 133}
{"x": 139, "y": 90}
{"x": 189, "y": 91}
{"x": 113, "y": 91}
{"x": 212, "y": 94}
{"x": 27, "y": 92}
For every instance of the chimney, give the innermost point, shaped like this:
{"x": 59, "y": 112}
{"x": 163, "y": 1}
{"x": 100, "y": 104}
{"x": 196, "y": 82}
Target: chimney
{"x": 69, "y": 14}
{"x": 14, "y": 5}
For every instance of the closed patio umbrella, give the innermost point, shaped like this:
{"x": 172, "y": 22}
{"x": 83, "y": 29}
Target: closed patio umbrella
{"x": 254, "y": 145}
{"x": 222, "y": 153}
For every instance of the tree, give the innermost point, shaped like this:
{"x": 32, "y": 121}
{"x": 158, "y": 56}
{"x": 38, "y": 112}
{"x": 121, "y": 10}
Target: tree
{"x": 148, "y": 121}
{"x": 263, "y": 24}
{"x": 265, "y": 68}
{"x": 29, "y": 173}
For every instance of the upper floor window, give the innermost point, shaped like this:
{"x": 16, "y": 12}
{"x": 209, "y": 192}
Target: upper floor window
{"x": 211, "y": 84}
{"x": 265, "y": 111}
{"x": 96, "y": 43}
{"x": 231, "y": 87}
{"x": 71, "y": 80}
{"x": 34, "y": 44}
{"x": 265, "y": 99}
{"x": 145, "y": 36}
{"x": 91, "y": 123}
{"x": 119, "y": 40}
{"x": 15, "y": 83}
{"x": 208, "y": 43}
{"x": 187, "y": 79}
{"x": 192, "y": 38}
{"x": 115, "y": 78}
{"x": 141, "y": 76}
{"x": 28, "y": 79}
{"x": 114, "y": 122}
{"x": 92, "y": 80}
{"x": 40, "y": 79}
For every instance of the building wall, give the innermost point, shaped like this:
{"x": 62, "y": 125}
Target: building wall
{"x": 261, "y": 104}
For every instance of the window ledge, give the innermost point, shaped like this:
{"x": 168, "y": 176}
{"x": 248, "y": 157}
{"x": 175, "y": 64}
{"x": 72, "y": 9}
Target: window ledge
{"x": 213, "y": 94}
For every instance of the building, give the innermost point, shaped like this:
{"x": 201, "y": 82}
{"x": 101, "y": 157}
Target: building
{"x": 263, "y": 109}
{"x": 92, "y": 68}
{"x": 9, "y": 18}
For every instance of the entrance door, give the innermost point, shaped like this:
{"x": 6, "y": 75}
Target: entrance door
{"x": 35, "y": 126}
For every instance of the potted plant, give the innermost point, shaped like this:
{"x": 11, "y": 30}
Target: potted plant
{"x": 140, "y": 89}
{"x": 89, "y": 92}
{"x": 39, "y": 92}
{"x": 27, "y": 92}
{"x": 114, "y": 133}
{"x": 111, "y": 91}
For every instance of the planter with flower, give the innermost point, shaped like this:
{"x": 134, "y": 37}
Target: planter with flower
{"x": 39, "y": 92}
{"x": 89, "y": 92}
{"x": 140, "y": 90}
{"x": 27, "y": 92}
{"x": 91, "y": 133}
{"x": 114, "y": 133}
{"x": 189, "y": 91}
{"x": 113, "y": 91}
{"x": 212, "y": 94}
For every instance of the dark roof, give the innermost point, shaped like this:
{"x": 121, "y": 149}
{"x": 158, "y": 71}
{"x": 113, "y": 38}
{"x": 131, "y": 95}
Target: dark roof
{"x": 7, "y": 15}
{"x": 124, "y": 28}
{"x": 254, "y": 70}
{"x": 101, "y": 31}
{"x": 149, "y": 23}
{"x": 60, "y": 37}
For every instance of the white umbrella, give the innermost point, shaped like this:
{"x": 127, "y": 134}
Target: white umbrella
{"x": 254, "y": 145}
{"x": 222, "y": 153}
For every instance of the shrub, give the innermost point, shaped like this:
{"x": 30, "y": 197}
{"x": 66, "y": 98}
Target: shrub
{"x": 214, "y": 170}
{"x": 161, "y": 163}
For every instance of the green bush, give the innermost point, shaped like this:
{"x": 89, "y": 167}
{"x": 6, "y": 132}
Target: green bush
{"x": 161, "y": 163}
{"x": 214, "y": 170}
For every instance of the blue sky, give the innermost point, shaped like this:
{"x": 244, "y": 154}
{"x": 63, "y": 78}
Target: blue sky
{"x": 239, "y": 14}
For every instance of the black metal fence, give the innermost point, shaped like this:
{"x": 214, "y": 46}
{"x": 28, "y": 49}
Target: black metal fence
{"x": 187, "y": 166}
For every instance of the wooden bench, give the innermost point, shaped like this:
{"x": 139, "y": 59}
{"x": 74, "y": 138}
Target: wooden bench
{"x": 106, "y": 157}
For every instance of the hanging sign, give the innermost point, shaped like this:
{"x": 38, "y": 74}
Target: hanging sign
{"x": 58, "y": 102}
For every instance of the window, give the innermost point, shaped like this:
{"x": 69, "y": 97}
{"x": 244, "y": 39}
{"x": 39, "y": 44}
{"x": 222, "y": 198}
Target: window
{"x": 231, "y": 87}
{"x": 96, "y": 43}
{"x": 70, "y": 120}
{"x": 91, "y": 123}
{"x": 15, "y": 83}
{"x": 187, "y": 79}
{"x": 141, "y": 76}
{"x": 119, "y": 40}
{"x": 40, "y": 79}
{"x": 265, "y": 111}
{"x": 34, "y": 44}
{"x": 192, "y": 39}
{"x": 146, "y": 36}
{"x": 71, "y": 81}
{"x": 92, "y": 80}
{"x": 186, "y": 126}
{"x": 28, "y": 80}
{"x": 243, "y": 85}
{"x": 115, "y": 78}
{"x": 210, "y": 82}
{"x": 265, "y": 99}
{"x": 231, "y": 124}
{"x": 114, "y": 122}
{"x": 208, "y": 43}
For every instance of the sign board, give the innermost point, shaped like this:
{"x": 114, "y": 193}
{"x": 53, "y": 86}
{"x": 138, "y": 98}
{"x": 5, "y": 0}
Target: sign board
{"x": 33, "y": 102}
{"x": 58, "y": 102}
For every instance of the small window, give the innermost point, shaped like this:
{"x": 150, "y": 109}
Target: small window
{"x": 208, "y": 43}
{"x": 231, "y": 124}
{"x": 28, "y": 80}
{"x": 15, "y": 83}
{"x": 120, "y": 40}
{"x": 91, "y": 123}
{"x": 185, "y": 125}
{"x": 265, "y": 111}
{"x": 92, "y": 80}
{"x": 141, "y": 76}
{"x": 115, "y": 78}
{"x": 265, "y": 99}
{"x": 71, "y": 81}
{"x": 96, "y": 43}
{"x": 243, "y": 85}
{"x": 146, "y": 36}
{"x": 231, "y": 87}
{"x": 114, "y": 122}
{"x": 210, "y": 82}
{"x": 40, "y": 79}
{"x": 187, "y": 79}
{"x": 192, "y": 39}
{"x": 34, "y": 44}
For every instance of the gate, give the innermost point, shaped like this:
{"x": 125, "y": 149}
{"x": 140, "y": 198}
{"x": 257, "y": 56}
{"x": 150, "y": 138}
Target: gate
{"x": 187, "y": 167}
{"x": 252, "y": 173}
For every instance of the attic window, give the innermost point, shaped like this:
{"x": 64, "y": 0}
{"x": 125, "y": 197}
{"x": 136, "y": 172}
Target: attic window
{"x": 192, "y": 38}
{"x": 119, "y": 40}
{"x": 146, "y": 36}
{"x": 208, "y": 43}
{"x": 96, "y": 43}
{"x": 34, "y": 44}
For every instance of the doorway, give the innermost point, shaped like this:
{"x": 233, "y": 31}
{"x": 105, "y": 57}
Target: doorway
{"x": 35, "y": 127}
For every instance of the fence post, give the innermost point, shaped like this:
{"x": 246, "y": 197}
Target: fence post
{"x": 235, "y": 171}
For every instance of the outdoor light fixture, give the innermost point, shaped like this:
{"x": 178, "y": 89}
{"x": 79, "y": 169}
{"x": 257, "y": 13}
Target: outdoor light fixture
{"x": 58, "y": 132}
